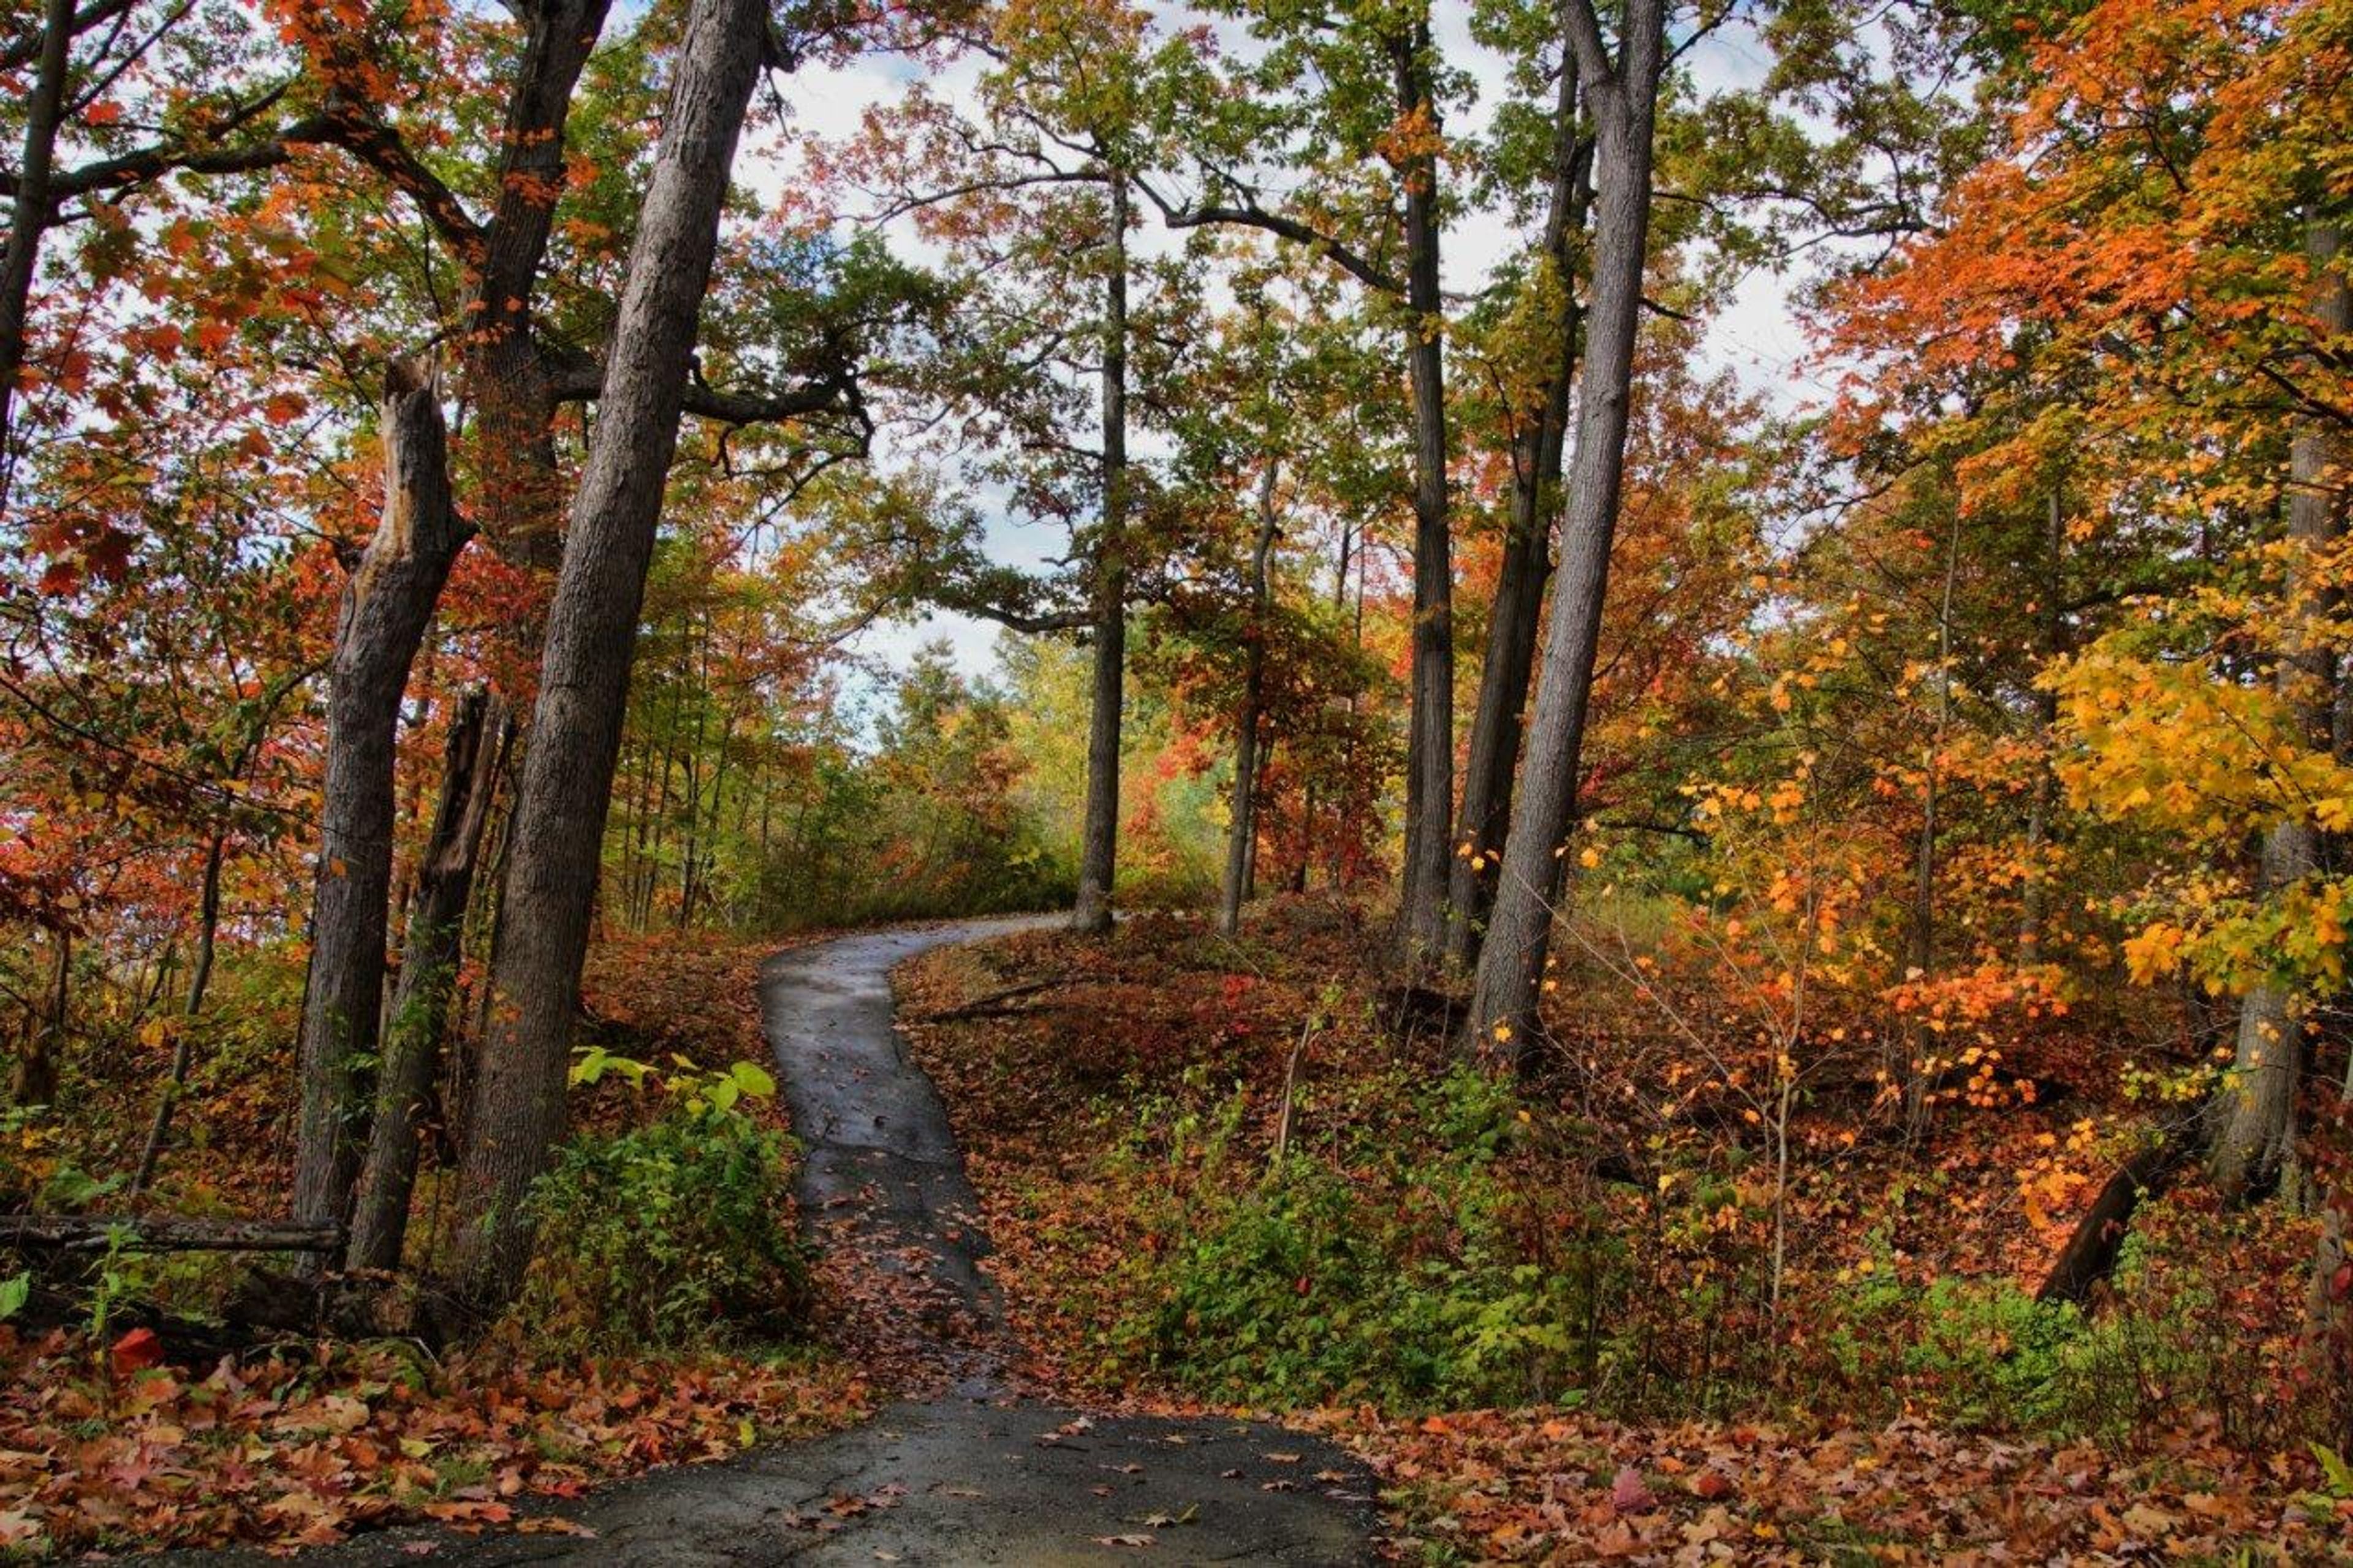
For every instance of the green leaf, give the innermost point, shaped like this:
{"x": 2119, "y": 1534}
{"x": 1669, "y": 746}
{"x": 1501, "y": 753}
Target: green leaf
{"x": 2332, "y": 1465}
{"x": 13, "y": 1294}
{"x": 753, "y": 1079}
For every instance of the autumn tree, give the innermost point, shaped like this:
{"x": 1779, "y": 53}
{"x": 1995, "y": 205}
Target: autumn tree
{"x": 1037, "y": 195}
{"x": 2235, "y": 156}
{"x": 1358, "y": 101}
{"x": 1621, "y": 84}
{"x": 585, "y": 668}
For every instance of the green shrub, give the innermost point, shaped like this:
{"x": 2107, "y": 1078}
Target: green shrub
{"x": 1978, "y": 1352}
{"x": 1984, "y": 1354}
{"x": 1385, "y": 1274}
{"x": 674, "y": 1233}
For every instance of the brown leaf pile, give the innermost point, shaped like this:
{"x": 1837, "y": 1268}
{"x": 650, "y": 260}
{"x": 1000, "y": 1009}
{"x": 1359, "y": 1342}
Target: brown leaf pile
{"x": 1533, "y": 1486}
{"x": 287, "y": 1450}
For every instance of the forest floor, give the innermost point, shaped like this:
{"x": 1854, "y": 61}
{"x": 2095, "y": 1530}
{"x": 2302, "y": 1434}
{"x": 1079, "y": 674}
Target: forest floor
{"x": 1119, "y": 1100}
{"x": 970, "y": 1466}
{"x": 115, "y": 1436}
{"x": 1133, "y": 1330}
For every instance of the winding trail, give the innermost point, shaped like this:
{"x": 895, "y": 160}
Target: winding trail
{"x": 880, "y": 1174}
{"x": 980, "y": 1473}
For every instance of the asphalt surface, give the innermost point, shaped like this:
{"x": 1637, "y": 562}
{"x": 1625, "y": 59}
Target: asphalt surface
{"x": 981, "y": 1474}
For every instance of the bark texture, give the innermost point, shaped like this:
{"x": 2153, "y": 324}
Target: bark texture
{"x": 1623, "y": 96}
{"x": 419, "y": 1017}
{"x": 1508, "y": 666}
{"x": 387, "y": 605}
{"x": 29, "y": 215}
{"x": 1099, "y": 840}
{"x": 2090, "y": 1255}
{"x": 1429, "y": 739}
{"x": 507, "y": 371}
{"x": 2255, "y": 1138}
{"x": 557, "y": 831}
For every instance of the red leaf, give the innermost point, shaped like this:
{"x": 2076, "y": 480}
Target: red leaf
{"x": 136, "y": 1351}
{"x": 1629, "y": 1494}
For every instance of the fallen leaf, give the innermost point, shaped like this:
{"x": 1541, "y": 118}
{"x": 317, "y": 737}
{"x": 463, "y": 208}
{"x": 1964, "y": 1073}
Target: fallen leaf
{"x": 136, "y": 1351}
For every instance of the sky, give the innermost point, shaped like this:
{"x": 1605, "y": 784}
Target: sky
{"x": 1757, "y": 337}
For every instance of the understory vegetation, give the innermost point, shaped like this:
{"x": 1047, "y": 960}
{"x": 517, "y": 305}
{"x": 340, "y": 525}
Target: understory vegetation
{"x": 149, "y": 1399}
{"x": 1246, "y": 1172}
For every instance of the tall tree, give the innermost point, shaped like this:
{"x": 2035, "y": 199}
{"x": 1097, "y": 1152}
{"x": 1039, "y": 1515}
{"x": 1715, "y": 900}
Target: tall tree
{"x": 1539, "y": 441}
{"x": 565, "y": 790}
{"x": 1099, "y": 838}
{"x": 1366, "y": 83}
{"x": 1062, "y": 110}
{"x": 387, "y": 605}
{"x": 2255, "y": 1134}
{"x": 1242, "y": 832}
{"x": 1622, "y": 89}
{"x": 417, "y": 1021}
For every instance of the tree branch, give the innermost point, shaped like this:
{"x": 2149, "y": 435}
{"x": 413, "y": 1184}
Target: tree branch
{"x": 1250, "y": 214}
{"x": 578, "y": 377}
{"x": 21, "y": 49}
{"x": 1585, "y": 41}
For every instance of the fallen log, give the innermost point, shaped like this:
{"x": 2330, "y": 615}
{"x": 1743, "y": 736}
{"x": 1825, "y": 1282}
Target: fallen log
{"x": 994, "y": 1005}
{"x": 2090, "y": 1255}
{"x": 96, "y": 1233}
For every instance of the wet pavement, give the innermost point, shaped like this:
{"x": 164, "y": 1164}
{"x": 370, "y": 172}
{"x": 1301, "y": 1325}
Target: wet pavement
{"x": 980, "y": 1472}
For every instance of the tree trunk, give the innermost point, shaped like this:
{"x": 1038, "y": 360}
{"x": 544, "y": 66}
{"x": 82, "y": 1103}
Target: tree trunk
{"x": 694, "y": 672}
{"x": 28, "y": 218}
{"x": 514, "y": 427}
{"x": 428, "y": 976}
{"x": 2044, "y": 801}
{"x": 1241, "y": 836}
{"x": 1914, "y": 1066}
{"x": 2254, "y": 1140}
{"x": 1509, "y": 664}
{"x": 2255, "y": 1129}
{"x": 34, "y": 1081}
{"x": 387, "y": 605}
{"x": 2090, "y": 1255}
{"x": 141, "y": 1233}
{"x": 463, "y": 1069}
{"x": 1430, "y": 739}
{"x": 199, "y": 978}
{"x": 1099, "y": 844}
{"x": 557, "y": 831}
{"x": 1624, "y": 102}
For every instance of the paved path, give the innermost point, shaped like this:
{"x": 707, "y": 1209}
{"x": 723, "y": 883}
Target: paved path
{"x": 979, "y": 1473}
{"x": 880, "y": 1174}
